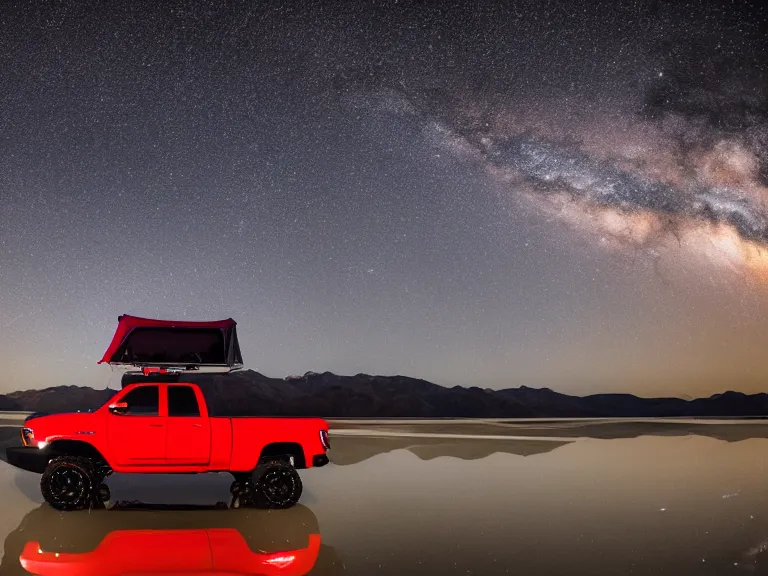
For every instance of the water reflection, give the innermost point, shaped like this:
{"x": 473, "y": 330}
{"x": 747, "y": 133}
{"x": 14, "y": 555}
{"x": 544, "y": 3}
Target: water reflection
{"x": 352, "y": 449}
{"x": 137, "y": 539}
{"x": 349, "y": 450}
{"x": 656, "y": 504}
{"x": 649, "y": 505}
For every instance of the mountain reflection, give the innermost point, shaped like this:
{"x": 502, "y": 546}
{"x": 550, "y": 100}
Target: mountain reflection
{"x": 540, "y": 437}
{"x": 353, "y": 449}
{"x": 137, "y": 539}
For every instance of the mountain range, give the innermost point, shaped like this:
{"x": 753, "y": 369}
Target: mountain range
{"x": 247, "y": 392}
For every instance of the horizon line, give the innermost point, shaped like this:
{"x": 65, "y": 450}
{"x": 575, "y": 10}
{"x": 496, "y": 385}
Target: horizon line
{"x": 685, "y": 398}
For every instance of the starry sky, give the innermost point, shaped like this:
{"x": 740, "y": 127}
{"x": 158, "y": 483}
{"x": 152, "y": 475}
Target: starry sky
{"x": 547, "y": 192}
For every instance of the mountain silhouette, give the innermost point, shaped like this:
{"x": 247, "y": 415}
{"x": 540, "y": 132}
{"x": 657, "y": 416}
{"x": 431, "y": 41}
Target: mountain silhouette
{"x": 247, "y": 392}
{"x": 7, "y": 404}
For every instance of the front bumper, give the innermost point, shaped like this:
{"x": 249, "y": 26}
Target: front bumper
{"x": 28, "y": 458}
{"x": 319, "y": 460}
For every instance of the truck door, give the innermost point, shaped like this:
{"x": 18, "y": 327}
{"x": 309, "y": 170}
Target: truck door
{"x": 189, "y": 430}
{"x": 136, "y": 434}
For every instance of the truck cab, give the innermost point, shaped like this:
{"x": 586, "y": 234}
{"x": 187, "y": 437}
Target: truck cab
{"x": 160, "y": 424}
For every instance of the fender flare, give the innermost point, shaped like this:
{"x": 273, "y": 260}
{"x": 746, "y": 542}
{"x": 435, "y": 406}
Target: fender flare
{"x": 69, "y": 446}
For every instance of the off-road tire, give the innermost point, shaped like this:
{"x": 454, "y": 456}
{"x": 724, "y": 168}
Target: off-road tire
{"x": 69, "y": 483}
{"x": 101, "y": 496}
{"x": 277, "y": 485}
{"x": 242, "y": 494}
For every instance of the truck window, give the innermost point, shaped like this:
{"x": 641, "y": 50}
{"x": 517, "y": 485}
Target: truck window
{"x": 182, "y": 401}
{"x": 143, "y": 401}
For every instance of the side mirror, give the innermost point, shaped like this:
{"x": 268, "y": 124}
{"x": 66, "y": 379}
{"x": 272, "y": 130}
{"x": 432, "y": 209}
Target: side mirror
{"x": 118, "y": 408}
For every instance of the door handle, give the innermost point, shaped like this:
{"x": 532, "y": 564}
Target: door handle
{"x": 155, "y": 425}
{"x": 197, "y": 425}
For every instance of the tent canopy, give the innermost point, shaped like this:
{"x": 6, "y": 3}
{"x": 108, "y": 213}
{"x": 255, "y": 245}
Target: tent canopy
{"x": 148, "y": 342}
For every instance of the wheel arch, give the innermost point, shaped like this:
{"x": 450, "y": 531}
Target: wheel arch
{"x": 281, "y": 450}
{"x": 71, "y": 447}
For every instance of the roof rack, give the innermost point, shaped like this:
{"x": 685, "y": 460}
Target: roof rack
{"x": 147, "y": 370}
{"x": 159, "y": 374}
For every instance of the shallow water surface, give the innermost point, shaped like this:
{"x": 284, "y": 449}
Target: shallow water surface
{"x": 646, "y": 505}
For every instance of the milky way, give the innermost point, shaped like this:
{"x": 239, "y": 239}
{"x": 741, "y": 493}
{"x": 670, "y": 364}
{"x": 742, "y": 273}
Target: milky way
{"x": 653, "y": 184}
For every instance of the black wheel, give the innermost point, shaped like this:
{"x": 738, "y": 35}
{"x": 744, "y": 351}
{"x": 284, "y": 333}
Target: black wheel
{"x": 277, "y": 485}
{"x": 242, "y": 494}
{"x": 68, "y": 483}
{"x": 103, "y": 493}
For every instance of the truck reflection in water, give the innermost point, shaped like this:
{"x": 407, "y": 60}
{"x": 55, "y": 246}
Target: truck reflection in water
{"x": 142, "y": 539}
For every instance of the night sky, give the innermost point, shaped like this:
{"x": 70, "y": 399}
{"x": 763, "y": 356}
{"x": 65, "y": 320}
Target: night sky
{"x": 549, "y": 193}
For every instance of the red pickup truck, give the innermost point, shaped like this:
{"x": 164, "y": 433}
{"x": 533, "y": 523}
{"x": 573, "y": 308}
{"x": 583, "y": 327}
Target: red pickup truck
{"x": 160, "y": 423}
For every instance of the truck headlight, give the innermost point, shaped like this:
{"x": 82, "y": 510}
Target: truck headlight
{"x": 27, "y": 436}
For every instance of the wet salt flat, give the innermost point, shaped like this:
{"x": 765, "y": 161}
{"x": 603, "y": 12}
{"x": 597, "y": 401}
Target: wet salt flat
{"x": 662, "y": 498}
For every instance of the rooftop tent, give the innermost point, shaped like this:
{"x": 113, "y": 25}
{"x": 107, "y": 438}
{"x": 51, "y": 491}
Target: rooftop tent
{"x": 148, "y": 342}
